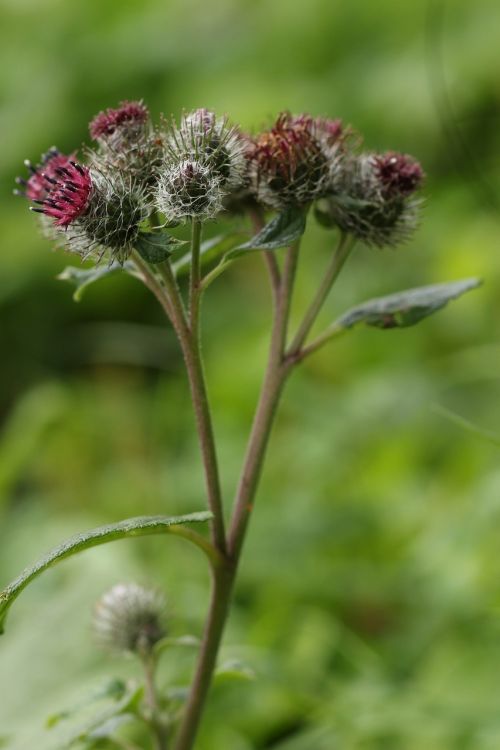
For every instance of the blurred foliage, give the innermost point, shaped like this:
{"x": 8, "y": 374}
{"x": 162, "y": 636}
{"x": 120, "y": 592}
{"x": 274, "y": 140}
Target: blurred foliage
{"x": 369, "y": 600}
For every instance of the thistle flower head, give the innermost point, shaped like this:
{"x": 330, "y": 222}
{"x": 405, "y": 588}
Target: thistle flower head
{"x": 296, "y": 161}
{"x": 91, "y": 213}
{"x": 130, "y": 618}
{"x": 399, "y": 175}
{"x": 189, "y": 190}
{"x": 376, "y": 200}
{"x": 38, "y": 185}
{"x": 127, "y": 144}
{"x": 69, "y": 194}
{"x": 127, "y": 120}
{"x": 204, "y": 138}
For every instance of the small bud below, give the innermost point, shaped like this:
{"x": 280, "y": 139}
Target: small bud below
{"x": 130, "y": 618}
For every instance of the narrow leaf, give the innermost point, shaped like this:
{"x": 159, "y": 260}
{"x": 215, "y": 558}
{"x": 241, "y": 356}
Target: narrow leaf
{"x": 281, "y": 231}
{"x": 406, "y": 308}
{"x": 155, "y": 247}
{"x": 130, "y": 527}
{"x": 81, "y": 278}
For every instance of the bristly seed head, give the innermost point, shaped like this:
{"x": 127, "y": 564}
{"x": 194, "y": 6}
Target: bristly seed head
{"x": 130, "y": 618}
{"x": 189, "y": 190}
{"x": 210, "y": 141}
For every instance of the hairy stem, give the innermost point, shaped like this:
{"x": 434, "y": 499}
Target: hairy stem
{"x": 224, "y": 576}
{"x": 159, "y": 731}
{"x": 192, "y": 357}
{"x": 194, "y": 278}
{"x": 222, "y": 586}
{"x": 338, "y": 259}
{"x": 274, "y": 380}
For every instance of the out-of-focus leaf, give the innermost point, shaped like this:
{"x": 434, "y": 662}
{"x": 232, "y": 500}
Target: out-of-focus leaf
{"x": 155, "y": 247}
{"x": 406, "y": 308}
{"x": 184, "y": 641}
{"x": 234, "y": 669}
{"x": 283, "y": 230}
{"x": 465, "y": 424}
{"x": 91, "y": 732}
{"x": 130, "y": 527}
{"x": 81, "y": 278}
{"x": 210, "y": 250}
{"x": 115, "y": 689}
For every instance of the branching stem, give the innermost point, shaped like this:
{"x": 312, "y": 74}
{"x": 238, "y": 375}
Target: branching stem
{"x": 339, "y": 257}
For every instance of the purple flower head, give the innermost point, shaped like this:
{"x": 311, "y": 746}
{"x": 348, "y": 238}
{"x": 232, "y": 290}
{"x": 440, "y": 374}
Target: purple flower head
{"x": 69, "y": 194}
{"x": 38, "y": 184}
{"x": 399, "y": 174}
{"x": 129, "y": 115}
{"x": 296, "y": 160}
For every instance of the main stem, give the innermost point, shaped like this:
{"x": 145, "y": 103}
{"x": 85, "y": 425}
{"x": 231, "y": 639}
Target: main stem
{"x": 189, "y": 341}
{"x": 224, "y": 575}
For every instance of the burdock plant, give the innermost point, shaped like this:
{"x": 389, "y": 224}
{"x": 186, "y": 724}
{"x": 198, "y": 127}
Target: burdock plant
{"x": 114, "y": 205}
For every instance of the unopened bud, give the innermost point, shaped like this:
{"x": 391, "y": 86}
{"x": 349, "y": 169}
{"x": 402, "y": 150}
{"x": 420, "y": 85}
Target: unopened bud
{"x": 130, "y": 618}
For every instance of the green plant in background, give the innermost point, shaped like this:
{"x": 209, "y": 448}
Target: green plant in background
{"x": 119, "y": 204}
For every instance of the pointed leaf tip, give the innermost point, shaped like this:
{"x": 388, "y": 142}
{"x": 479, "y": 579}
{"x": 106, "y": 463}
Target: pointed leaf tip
{"x": 406, "y": 308}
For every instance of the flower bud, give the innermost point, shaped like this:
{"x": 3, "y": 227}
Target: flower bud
{"x": 127, "y": 144}
{"x": 375, "y": 201}
{"x": 296, "y": 161}
{"x": 202, "y": 137}
{"x": 189, "y": 190}
{"x": 130, "y": 618}
{"x": 114, "y": 127}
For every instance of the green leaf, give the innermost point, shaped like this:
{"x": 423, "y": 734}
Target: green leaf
{"x": 283, "y": 230}
{"x": 406, "y": 308}
{"x": 115, "y": 689}
{"x": 155, "y": 247}
{"x": 209, "y": 251}
{"x": 184, "y": 641}
{"x": 81, "y": 278}
{"x": 130, "y": 527}
{"x": 234, "y": 669}
{"x": 93, "y": 730}
{"x": 465, "y": 424}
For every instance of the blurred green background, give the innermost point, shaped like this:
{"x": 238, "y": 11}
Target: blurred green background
{"x": 369, "y": 598}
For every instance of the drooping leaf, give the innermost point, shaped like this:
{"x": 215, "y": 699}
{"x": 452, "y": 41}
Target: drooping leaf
{"x": 155, "y": 247}
{"x": 81, "y": 278}
{"x": 406, "y": 308}
{"x": 130, "y": 527}
{"x": 210, "y": 250}
{"x": 283, "y": 230}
